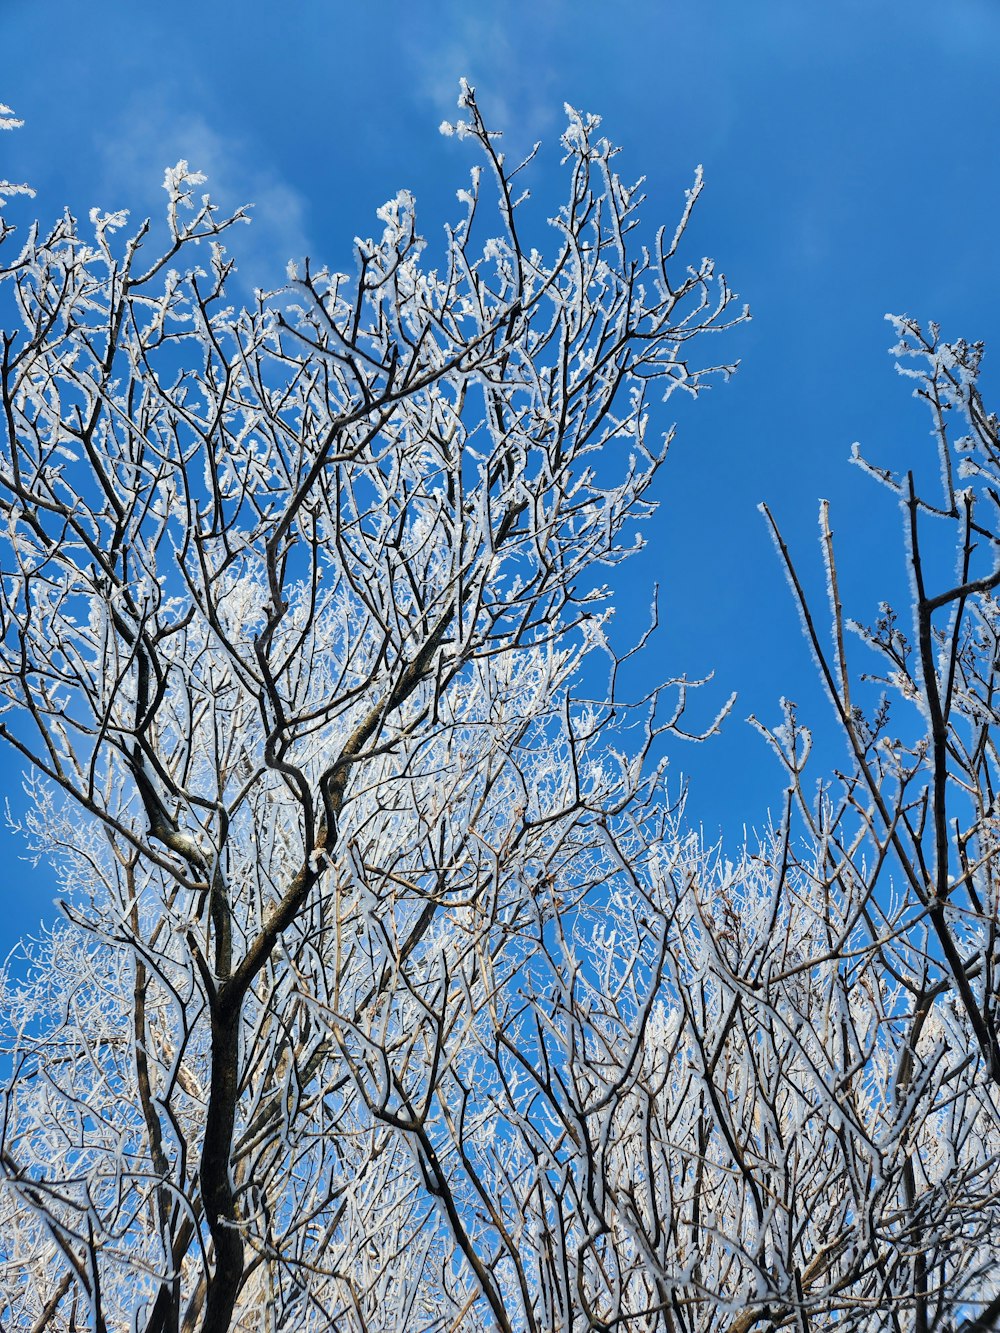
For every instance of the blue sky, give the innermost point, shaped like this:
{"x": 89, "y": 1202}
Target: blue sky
{"x": 850, "y": 153}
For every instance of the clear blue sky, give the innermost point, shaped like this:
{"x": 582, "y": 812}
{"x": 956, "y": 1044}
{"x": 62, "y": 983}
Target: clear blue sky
{"x": 850, "y": 152}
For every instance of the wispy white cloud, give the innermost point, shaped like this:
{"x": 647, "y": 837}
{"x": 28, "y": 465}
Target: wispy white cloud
{"x": 153, "y": 133}
{"x": 515, "y": 94}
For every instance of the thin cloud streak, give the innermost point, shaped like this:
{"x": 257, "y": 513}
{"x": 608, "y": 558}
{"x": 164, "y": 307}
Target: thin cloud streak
{"x": 152, "y": 134}
{"x": 479, "y": 47}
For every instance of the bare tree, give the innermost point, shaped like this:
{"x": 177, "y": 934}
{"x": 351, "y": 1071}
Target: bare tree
{"x": 906, "y": 846}
{"x": 392, "y": 991}
{"x": 293, "y": 599}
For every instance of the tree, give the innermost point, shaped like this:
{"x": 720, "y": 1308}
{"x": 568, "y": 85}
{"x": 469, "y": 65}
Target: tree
{"x": 392, "y": 991}
{"x": 293, "y": 601}
{"x": 919, "y": 800}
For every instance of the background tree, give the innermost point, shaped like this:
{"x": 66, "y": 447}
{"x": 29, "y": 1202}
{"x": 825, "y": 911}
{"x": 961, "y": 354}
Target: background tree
{"x": 917, "y": 805}
{"x": 392, "y": 991}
